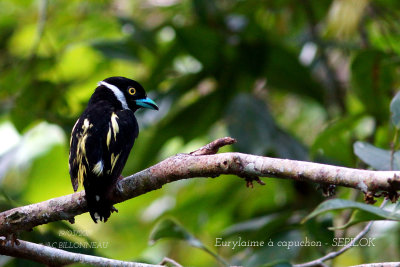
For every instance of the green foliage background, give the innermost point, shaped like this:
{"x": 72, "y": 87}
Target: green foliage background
{"x": 293, "y": 79}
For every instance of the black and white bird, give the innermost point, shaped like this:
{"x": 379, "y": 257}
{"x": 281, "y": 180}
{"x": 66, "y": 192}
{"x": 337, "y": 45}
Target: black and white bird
{"x": 102, "y": 139}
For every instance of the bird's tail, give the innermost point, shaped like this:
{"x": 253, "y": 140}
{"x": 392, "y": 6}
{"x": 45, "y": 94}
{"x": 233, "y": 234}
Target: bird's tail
{"x": 99, "y": 205}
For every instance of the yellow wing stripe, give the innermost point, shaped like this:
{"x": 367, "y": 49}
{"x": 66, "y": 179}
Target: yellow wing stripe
{"x": 81, "y": 150}
{"x": 114, "y": 160}
{"x": 81, "y": 173}
{"x": 109, "y": 136}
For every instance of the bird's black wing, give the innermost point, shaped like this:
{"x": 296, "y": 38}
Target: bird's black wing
{"x": 119, "y": 139}
{"x": 75, "y": 155}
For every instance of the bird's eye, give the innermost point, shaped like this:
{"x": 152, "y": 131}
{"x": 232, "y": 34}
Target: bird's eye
{"x": 131, "y": 91}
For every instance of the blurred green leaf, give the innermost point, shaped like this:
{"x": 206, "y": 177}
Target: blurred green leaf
{"x": 250, "y": 122}
{"x": 31, "y": 106}
{"x": 206, "y": 10}
{"x": 201, "y": 42}
{"x": 340, "y": 204}
{"x": 122, "y": 49}
{"x": 139, "y": 35}
{"x": 317, "y": 231}
{"x": 254, "y": 228}
{"x": 372, "y": 81}
{"x": 254, "y": 224}
{"x": 377, "y": 158}
{"x": 358, "y": 216}
{"x": 168, "y": 228}
{"x": 276, "y": 253}
{"x": 284, "y": 71}
{"x": 337, "y": 134}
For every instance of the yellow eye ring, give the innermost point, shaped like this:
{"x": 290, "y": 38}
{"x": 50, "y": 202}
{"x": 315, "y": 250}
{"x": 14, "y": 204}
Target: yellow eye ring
{"x": 131, "y": 91}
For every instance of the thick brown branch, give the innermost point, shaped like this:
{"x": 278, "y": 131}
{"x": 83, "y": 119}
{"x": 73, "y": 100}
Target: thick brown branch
{"x": 184, "y": 166}
{"x": 57, "y": 257}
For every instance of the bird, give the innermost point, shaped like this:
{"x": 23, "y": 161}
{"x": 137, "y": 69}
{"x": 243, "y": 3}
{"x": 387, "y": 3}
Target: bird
{"x": 102, "y": 139}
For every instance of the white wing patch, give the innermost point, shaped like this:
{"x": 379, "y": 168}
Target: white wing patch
{"x": 109, "y": 136}
{"x": 115, "y": 125}
{"x": 98, "y": 168}
{"x": 72, "y": 132}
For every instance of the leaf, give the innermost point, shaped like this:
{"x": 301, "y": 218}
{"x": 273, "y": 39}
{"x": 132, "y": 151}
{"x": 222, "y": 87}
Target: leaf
{"x": 251, "y": 123}
{"x": 265, "y": 224}
{"x": 138, "y": 33}
{"x": 377, "y": 158}
{"x": 120, "y": 49}
{"x": 127, "y": 48}
{"x": 168, "y": 228}
{"x": 276, "y": 250}
{"x": 206, "y": 10}
{"x": 316, "y": 229}
{"x": 358, "y": 216}
{"x": 31, "y": 107}
{"x": 284, "y": 71}
{"x": 250, "y": 225}
{"x": 337, "y": 135}
{"x": 339, "y": 204}
{"x": 371, "y": 79}
{"x": 395, "y": 109}
{"x": 201, "y": 42}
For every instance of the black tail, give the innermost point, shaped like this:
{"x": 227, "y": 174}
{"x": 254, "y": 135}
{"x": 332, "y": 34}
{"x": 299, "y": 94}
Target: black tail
{"x": 97, "y": 197}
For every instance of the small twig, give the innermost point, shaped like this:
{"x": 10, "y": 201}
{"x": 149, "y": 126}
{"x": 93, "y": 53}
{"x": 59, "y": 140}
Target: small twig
{"x": 57, "y": 257}
{"x": 170, "y": 261}
{"x": 213, "y": 147}
{"x": 329, "y": 256}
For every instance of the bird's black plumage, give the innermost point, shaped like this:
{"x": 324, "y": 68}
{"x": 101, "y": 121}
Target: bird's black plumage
{"x": 102, "y": 139}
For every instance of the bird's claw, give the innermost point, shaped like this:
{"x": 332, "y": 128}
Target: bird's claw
{"x": 113, "y": 209}
{"x": 12, "y": 238}
{"x": 250, "y": 180}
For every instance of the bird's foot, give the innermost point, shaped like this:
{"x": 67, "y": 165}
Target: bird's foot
{"x": 250, "y": 179}
{"x": 328, "y": 190}
{"x": 12, "y": 238}
{"x": 113, "y": 209}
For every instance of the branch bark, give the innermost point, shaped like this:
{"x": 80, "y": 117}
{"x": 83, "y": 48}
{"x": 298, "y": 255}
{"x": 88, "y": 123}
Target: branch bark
{"x": 200, "y": 163}
{"x": 57, "y": 257}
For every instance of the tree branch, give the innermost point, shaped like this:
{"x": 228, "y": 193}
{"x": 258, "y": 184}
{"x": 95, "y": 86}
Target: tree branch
{"x": 57, "y": 257}
{"x": 386, "y": 264}
{"x": 199, "y": 164}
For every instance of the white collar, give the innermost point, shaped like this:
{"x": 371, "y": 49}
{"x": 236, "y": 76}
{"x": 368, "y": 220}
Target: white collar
{"x": 118, "y": 94}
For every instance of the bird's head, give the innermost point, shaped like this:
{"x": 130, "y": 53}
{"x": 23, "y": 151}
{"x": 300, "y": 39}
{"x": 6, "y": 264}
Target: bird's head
{"x": 129, "y": 93}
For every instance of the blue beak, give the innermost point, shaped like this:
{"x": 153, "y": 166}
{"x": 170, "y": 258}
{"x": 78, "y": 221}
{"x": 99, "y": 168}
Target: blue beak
{"x": 146, "y": 103}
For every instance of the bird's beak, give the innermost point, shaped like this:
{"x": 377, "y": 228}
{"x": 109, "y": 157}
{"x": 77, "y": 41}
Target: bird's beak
{"x": 146, "y": 103}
